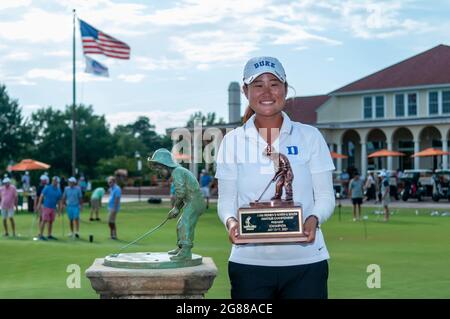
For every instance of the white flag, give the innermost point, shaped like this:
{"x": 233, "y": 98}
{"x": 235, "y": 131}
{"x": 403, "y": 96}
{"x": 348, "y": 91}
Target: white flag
{"x": 95, "y": 67}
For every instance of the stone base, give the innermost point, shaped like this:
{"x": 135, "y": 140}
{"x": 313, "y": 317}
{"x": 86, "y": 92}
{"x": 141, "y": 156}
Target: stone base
{"x": 177, "y": 283}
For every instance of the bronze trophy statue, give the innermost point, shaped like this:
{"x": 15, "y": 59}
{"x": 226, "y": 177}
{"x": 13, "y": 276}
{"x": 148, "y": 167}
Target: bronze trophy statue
{"x": 275, "y": 221}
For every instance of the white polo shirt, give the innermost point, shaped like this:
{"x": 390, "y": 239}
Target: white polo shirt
{"x": 240, "y": 158}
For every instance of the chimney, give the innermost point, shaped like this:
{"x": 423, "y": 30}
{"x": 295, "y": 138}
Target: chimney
{"x": 234, "y": 102}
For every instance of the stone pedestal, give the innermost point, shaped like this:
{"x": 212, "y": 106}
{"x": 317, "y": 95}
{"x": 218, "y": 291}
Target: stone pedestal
{"x": 177, "y": 283}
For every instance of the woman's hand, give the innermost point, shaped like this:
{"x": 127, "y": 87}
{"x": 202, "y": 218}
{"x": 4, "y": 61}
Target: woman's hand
{"x": 232, "y": 226}
{"x": 310, "y": 227}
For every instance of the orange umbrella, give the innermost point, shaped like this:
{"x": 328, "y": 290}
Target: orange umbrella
{"x": 337, "y": 155}
{"x": 29, "y": 165}
{"x": 430, "y": 152}
{"x": 385, "y": 153}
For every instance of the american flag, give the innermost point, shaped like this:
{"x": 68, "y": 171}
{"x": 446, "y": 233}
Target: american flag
{"x": 97, "y": 42}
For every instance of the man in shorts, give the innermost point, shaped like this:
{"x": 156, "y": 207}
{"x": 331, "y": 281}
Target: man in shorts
{"x": 8, "y": 198}
{"x": 205, "y": 183}
{"x": 49, "y": 200}
{"x": 73, "y": 200}
{"x": 356, "y": 193}
{"x": 113, "y": 205}
{"x": 385, "y": 194}
{"x": 96, "y": 202}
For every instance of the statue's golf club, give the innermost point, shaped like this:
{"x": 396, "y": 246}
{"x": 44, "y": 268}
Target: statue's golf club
{"x": 265, "y": 190}
{"x": 143, "y": 236}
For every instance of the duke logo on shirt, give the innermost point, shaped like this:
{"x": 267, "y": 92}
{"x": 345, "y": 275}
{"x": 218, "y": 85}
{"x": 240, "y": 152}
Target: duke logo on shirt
{"x": 292, "y": 150}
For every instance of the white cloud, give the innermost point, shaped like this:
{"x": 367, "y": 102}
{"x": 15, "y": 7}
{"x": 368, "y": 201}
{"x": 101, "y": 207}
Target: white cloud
{"x": 58, "y": 53}
{"x": 164, "y": 63}
{"x": 161, "y": 119}
{"x": 62, "y": 74}
{"x": 378, "y": 19}
{"x": 215, "y": 46}
{"x": 9, "y": 4}
{"x": 195, "y": 12}
{"x": 17, "y": 56}
{"x": 38, "y": 25}
{"x": 132, "y": 78}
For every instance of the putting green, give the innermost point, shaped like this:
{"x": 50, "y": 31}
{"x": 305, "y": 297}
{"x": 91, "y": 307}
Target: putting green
{"x": 412, "y": 251}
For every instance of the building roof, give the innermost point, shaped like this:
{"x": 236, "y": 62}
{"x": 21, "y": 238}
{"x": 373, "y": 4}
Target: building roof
{"x": 303, "y": 108}
{"x": 426, "y": 68}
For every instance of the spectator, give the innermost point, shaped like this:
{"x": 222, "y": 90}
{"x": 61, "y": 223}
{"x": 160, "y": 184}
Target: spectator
{"x": 370, "y": 187}
{"x": 345, "y": 177}
{"x": 26, "y": 182}
{"x": 83, "y": 185}
{"x": 49, "y": 200}
{"x": 205, "y": 184}
{"x": 385, "y": 194}
{"x": 113, "y": 205}
{"x": 74, "y": 202}
{"x": 62, "y": 183}
{"x": 96, "y": 202}
{"x": 356, "y": 194}
{"x": 8, "y": 200}
{"x": 43, "y": 182}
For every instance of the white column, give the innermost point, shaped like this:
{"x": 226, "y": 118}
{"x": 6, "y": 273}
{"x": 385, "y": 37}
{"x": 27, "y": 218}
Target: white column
{"x": 389, "y": 159}
{"x": 339, "y": 160}
{"x": 416, "y": 150}
{"x": 363, "y": 159}
{"x": 445, "y": 149}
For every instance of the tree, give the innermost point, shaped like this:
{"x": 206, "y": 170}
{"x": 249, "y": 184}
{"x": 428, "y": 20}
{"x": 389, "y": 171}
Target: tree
{"x": 15, "y": 136}
{"x": 139, "y": 136}
{"x": 206, "y": 120}
{"x": 53, "y": 138}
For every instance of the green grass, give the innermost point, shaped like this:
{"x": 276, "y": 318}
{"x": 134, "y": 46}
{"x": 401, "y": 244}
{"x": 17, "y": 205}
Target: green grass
{"x": 412, "y": 251}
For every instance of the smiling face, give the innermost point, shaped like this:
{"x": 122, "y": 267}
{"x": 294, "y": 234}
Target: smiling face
{"x": 266, "y": 95}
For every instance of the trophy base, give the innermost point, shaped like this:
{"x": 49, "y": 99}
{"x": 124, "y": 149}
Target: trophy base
{"x": 275, "y": 221}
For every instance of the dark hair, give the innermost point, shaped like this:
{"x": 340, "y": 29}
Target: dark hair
{"x": 249, "y": 111}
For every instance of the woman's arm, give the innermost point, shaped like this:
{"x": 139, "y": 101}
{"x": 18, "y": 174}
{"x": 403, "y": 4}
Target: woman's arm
{"x": 227, "y": 206}
{"x": 324, "y": 200}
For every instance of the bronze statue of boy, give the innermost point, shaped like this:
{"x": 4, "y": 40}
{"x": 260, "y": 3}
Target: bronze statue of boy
{"x": 283, "y": 172}
{"x": 188, "y": 198}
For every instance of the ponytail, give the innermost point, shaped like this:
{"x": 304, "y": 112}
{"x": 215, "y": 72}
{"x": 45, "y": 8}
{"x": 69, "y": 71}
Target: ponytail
{"x": 248, "y": 114}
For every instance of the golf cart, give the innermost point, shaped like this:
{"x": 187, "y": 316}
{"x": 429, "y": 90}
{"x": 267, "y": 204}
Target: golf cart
{"x": 415, "y": 183}
{"x": 441, "y": 188}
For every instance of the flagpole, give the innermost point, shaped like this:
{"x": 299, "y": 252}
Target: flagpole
{"x": 74, "y": 132}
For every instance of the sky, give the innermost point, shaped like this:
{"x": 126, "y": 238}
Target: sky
{"x": 185, "y": 53}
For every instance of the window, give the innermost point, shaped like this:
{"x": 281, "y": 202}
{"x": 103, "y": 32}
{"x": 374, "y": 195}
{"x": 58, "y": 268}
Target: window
{"x": 379, "y": 106}
{"x": 412, "y": 104}
{"x": 433, "y": 103}
{"x": 445, "y": 102}
{"x": 399, "y": 105}
{"x": 368, "y": 107}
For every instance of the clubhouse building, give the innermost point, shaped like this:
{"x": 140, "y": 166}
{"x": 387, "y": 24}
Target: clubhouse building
{"x": 404, "y": 107}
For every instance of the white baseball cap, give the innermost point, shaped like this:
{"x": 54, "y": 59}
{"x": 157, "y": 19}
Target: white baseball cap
{"x": 72, "y": 180}
{"x": 44, "y": 178}
{"x": 6, "y": 180}
{"x": 264, "y": 64}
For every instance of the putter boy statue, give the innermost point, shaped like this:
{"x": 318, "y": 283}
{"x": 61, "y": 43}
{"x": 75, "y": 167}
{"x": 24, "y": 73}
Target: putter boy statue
{"x": 283, "y": 174}
{"x": 188, "y": 199}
